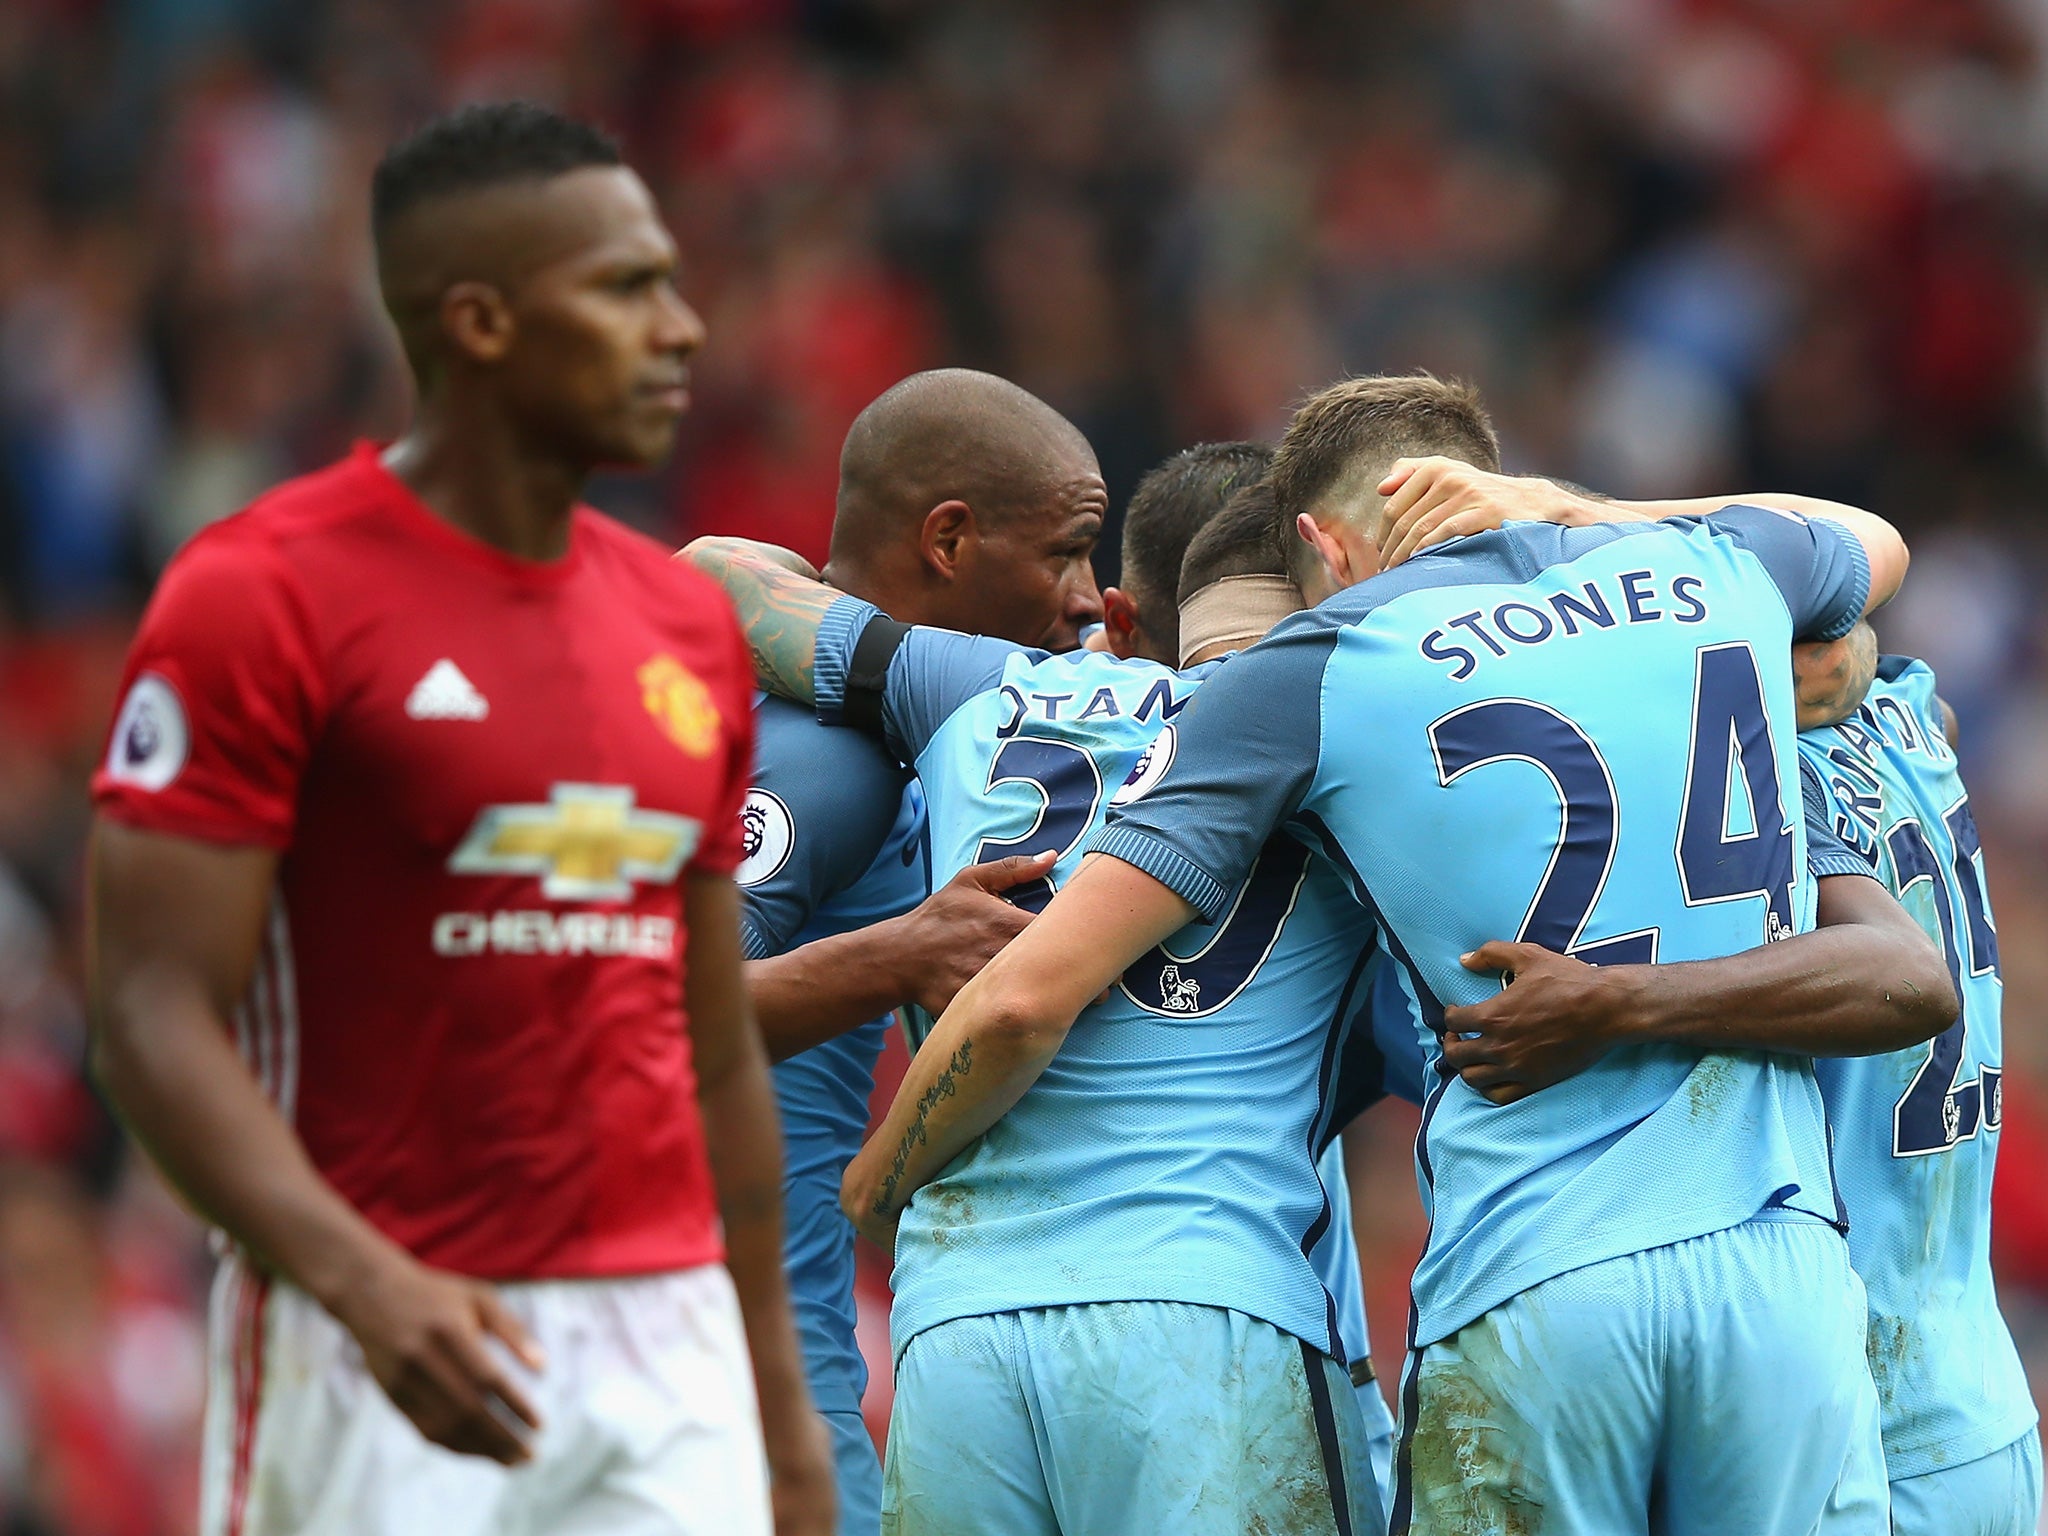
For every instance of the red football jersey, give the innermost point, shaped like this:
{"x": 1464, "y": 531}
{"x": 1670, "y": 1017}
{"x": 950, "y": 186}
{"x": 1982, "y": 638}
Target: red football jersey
{"x": 487, "y": 778}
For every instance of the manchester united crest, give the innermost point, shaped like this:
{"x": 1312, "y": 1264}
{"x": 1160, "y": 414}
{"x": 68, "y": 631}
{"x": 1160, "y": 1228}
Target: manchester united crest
{"x": 680, "y": 704}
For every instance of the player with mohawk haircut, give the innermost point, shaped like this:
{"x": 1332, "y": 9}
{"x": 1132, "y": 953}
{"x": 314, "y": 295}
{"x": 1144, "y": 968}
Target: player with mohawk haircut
{"x": 425, "y": 791}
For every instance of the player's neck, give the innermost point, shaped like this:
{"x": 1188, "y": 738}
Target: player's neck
{"x": 900, "y": 600}
{"x": 477, "y": 476}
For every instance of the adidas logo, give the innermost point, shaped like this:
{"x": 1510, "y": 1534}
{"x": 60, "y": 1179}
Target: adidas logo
{"x": 445, "y": 694}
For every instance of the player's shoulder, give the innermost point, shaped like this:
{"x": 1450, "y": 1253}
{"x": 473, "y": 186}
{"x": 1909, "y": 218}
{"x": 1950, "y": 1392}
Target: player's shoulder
{"x": 633, "y": 550}
{"x": 802, "y": 767}
{"x": 1903, "y": 677}
{"x": 261, "y": 570}
{"x": 1093, "y": 696}
{"x": 790, "y": 741}
{"x": 1901, "y": 686}
{"x": 657, "y": 586}
{"x": 645, "y": 566}
{"x": 268, "y": 536}
{"x": 1521, "y": 552}
{"x": 1083, "y": 668}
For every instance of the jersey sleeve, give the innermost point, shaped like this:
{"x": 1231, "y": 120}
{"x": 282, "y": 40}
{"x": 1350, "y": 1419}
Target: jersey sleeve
{"x": 723, "y": 847}
{"x": 1245, "y": 753}
{"x": 821, "y": 808}
{"x": 1819, "y": 568}
{"x": 1826, "y": 853}
{"x": 899, "y": 682}
{"x": 221, "y": 701}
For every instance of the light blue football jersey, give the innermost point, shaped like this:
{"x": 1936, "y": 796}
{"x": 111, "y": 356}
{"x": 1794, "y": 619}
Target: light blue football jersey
{"x": 1578, "y": 737}
{"x": 1916, "y": 1131}
{"x": 1168, "y": 1152}
{"x": 834, "y": 842}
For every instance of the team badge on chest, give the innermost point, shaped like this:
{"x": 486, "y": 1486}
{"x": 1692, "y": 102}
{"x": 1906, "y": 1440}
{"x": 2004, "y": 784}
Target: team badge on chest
{"x": 680, "y": 704}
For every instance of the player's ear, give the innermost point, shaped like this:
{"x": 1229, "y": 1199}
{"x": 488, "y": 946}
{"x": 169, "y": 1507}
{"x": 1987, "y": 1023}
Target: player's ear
{"x": 947, "y": 538}
{"x": 1335, "y": 553}
{"x": 477, "y": 321}
{"x": 1120, "y": 622}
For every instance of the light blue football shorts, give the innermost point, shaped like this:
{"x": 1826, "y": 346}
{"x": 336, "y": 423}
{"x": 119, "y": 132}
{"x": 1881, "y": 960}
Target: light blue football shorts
{"x": 1123, "y": 1417}
{"x": 1714, "y": 1387}
{"x": 1995, "y": 1495}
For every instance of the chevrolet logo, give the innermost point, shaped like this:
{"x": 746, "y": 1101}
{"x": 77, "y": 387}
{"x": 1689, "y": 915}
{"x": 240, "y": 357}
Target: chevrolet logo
{"x": 588, "y": 843}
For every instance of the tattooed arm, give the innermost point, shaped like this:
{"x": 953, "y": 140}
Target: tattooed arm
{"x": 780, "y": 601}
{"x": 1833, "y": 675}
{"x": 1002, "y": 1030}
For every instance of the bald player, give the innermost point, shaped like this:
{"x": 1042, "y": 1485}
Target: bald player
{"x": 965, "y": 502}
{"x": 424, "y": 792}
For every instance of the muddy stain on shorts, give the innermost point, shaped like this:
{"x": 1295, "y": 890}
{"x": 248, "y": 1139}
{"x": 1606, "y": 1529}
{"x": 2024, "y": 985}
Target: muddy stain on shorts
{"x": 1468, "y": 1479}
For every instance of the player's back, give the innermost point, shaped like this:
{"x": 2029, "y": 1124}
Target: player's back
{"x": 834, "y": 843}
{"x": 1167, "y": 1151}
{"x": 1916, "y": 1131}
{"x": 1577, "y": 737}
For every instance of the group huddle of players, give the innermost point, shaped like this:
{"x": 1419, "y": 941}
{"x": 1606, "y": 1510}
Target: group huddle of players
{"x": 1597, "y": 829}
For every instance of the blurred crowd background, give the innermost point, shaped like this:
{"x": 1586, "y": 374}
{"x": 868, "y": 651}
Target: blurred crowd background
{"x": 1684, "y": 246}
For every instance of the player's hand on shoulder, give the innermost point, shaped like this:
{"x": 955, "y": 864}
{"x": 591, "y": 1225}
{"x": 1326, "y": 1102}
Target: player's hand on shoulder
{"x": 422, "y": 1333}
{"x": 960, "y": 927}
{"x": 800, "y": 1478}
{"x": 1433, "y": 499}
{"x": 1554, "y": 1018}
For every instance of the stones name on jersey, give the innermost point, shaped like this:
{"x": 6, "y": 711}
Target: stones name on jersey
{"x": 1628, "y": 597}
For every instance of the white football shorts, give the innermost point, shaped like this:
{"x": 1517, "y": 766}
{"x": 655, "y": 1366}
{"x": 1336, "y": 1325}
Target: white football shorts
{"x": 649, "y": 1421}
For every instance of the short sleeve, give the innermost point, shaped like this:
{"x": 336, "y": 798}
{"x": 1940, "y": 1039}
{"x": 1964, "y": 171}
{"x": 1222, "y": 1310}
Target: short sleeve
{"x": 1244, "y": 756}
{"x": 900, "y": 682}
{"x": 821, "y": 808}
{"x": 221, "y": 701}
{"x": 1818, "y": 567}
{"x": 1826, "y": 853}
{"x": 723, "y": 847}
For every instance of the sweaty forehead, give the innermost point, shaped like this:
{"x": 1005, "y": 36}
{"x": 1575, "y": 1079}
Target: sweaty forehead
{"x": 506, "y": 234}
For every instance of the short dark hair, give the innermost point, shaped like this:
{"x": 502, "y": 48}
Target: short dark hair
{"x": 482, "y": 146}
{"x": 1244, "y": 539}
{"x": 1363, "y": 425}
{"x": 1172, "y": 502}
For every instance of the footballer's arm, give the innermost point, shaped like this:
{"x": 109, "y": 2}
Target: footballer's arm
{"x": 174, "y": 930}
{"x": 999, "y": 1034}
{"x": 1866, "y": 981}
{"x": 829, "y": 986}
{"x": 780, "y": 602}
{"x": 745, "y": 1143}
{"x": 1429, "y": 500}
{"x": 820, "y": 990}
